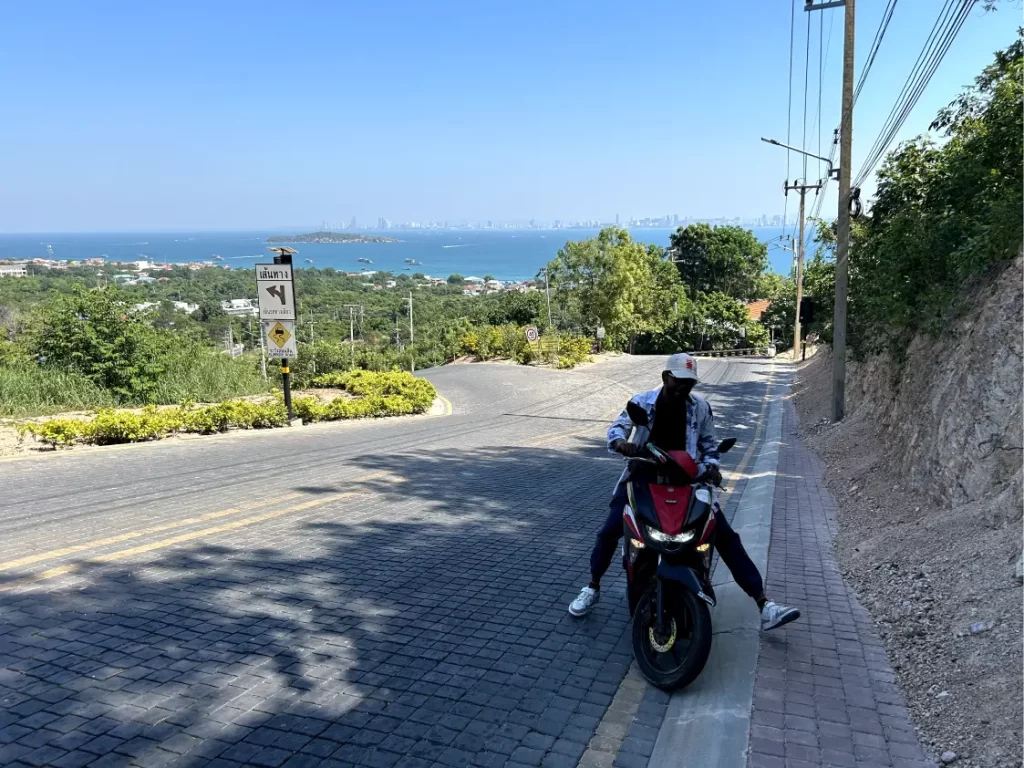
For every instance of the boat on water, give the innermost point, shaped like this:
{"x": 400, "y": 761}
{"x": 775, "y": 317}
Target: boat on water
{"x": 364, "y": 261}
{"x": 408, "y": 269}
{"x": 309, "y": 261}
{"x": 218, "y": 257}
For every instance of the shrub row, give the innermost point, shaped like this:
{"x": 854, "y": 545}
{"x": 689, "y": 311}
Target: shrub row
{"x": 109, "y": 426}
{"x": 382, "y": 394}
{"x": 419, "y": 393}
{"x": 510, "y": 342}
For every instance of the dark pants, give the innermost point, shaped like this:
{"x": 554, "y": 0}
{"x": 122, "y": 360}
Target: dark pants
{"x": 727, "y": 542}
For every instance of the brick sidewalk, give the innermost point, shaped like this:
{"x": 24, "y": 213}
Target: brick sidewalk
{"x": 825, "y": 694}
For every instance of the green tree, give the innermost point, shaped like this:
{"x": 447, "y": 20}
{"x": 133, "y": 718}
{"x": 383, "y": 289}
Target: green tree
{"x": 723, "y": 321}
{"x": 456, "y": 280}
{"x": 728, "y": 260}
{"x": 943, "y": 212}
{"x": 615, "y": 282}
{"x": 778, "y": 319}
{"x": 96, "y": 334}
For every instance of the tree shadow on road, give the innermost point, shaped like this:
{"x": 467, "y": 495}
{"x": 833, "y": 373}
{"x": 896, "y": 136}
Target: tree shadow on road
{"x": 425, "y": 621}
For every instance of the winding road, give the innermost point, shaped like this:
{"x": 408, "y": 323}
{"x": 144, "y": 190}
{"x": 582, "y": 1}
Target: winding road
{"x": 376, "y": 593}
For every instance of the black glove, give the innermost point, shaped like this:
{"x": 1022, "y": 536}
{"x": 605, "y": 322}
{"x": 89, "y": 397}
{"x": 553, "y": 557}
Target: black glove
{"x": 713, "y": 476}
{"x": 628, "y": 450}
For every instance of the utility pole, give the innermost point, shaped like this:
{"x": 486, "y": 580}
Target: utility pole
{"x": 352, "y": 333}
{"x": 263, "y": 354}
{"x": 843, "y": 222}
{"x": 547, "y": 291}
{"x": 802, "y": 189}
{"x": 843, "y": 218}
{"x": 412, "y": 353}
{"x": 312, "y": 340}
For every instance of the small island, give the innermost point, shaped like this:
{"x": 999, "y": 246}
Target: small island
{"x": 331, "y": 237}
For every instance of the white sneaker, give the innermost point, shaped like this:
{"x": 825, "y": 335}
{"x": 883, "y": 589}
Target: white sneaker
{"x": 774, "y": 615}
{"x": 585, "y": 602}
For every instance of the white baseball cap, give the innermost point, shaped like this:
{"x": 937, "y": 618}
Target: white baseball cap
{"x": 682, "y": 366}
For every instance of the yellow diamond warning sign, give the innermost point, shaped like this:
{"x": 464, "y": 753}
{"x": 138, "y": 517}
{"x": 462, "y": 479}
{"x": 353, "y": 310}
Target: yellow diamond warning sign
{"x": 280, "y": 336}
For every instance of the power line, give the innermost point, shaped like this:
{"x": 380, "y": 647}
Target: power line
{"x": 807, "y": 70}
{"x": 789, "y": 110}
{"x": 876, "y": 43}
{"x": 948, "y": 25}
{"x": 821, "y": 66}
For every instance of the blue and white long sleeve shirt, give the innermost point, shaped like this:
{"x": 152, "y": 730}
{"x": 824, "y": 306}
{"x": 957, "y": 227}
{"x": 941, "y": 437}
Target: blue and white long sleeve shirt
{"x": 701, "y": 443}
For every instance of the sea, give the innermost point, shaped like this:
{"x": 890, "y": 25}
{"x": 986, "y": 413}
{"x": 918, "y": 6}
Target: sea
{"x": 504, "y": 254}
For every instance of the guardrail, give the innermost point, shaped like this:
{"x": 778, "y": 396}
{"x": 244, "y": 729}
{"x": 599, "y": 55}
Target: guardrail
{"x": 748, "y": 352}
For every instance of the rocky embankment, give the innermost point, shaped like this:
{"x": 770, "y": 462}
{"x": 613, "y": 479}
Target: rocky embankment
{"x": 927, "y": 470}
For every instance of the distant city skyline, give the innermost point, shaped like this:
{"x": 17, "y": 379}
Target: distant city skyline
{"x": 668, "y": 221}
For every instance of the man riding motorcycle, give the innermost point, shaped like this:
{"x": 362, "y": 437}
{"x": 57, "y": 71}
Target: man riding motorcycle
{"x": 678, "y": 420}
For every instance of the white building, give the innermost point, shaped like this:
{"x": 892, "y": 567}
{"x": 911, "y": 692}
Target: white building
{"x": 184, "y": 306}
{"x": 240, "y": 307}
{"x": 13, "y": 269}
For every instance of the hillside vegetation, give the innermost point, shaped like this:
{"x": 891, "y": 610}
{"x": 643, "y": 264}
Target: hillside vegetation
{"x": 927, "y": 465}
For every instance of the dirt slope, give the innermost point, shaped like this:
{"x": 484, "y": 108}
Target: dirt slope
{"x": 927, "y": 470}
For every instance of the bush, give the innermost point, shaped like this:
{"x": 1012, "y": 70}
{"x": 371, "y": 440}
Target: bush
{"x": 110, "y": 427}
{"x": 469, "y": 344}
{"x": 573, "y": 350}
{"x": 96, "y": 334}
{"x": 394, "y": 393}
{"x": 420, "y": 393}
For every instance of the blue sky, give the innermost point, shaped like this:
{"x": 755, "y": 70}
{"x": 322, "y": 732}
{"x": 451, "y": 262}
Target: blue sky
{"x": 232, "y": 115}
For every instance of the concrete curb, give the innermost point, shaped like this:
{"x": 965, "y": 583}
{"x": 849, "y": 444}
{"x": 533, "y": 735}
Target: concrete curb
{"x": 708, "y": 723}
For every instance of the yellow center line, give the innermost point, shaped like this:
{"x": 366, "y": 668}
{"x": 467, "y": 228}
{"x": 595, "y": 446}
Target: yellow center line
{"x": 65, "y": 551}
{"x": 122, "y": 554}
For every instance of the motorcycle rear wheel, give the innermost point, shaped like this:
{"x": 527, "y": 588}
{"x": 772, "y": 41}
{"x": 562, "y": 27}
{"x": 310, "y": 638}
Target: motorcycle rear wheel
{"x": 674, "y": 661}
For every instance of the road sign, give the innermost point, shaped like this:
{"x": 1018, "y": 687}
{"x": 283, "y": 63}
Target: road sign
{"x": 280, "y": 336}
{"x": 600, "y": 332}
{"x": 531, "y": 334}
{"x": 548, "y": 345}
{"x": 275, "y": 291}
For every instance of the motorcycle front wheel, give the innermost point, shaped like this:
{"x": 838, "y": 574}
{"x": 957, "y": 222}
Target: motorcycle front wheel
{"x": 673, "y": 658}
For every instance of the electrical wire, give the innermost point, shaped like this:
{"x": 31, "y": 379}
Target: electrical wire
{"x": 789, "y": 110}
{"x": 944, "y": 32}
{"x": 821, "y": 66}
{"x": 875, "y": 45}
{"x": 807, "y": 72}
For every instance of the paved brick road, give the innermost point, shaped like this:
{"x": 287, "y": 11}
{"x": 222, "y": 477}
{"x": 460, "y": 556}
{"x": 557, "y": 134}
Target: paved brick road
{"x": 825, "y": 694}
{"x": 369, "y": 594}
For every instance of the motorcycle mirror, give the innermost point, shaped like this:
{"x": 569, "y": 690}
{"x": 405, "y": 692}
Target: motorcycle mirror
{"x": 726, "y": 445}
{"x": 636, "y": 414}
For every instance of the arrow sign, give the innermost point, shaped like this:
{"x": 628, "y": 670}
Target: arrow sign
{"x": 275, "y": 291}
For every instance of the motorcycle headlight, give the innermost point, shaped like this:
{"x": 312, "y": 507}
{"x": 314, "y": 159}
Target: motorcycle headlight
{"x": 655, "y": 535}
{"x": 703, "y": 494}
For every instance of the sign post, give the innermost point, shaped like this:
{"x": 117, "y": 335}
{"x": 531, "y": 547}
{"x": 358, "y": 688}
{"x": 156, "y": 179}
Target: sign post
{"x": 600, "y": 337}
{"x": 276, "y": 294}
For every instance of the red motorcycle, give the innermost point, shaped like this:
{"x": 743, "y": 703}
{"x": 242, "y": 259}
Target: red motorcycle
{"x": 669, "y": 527}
